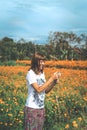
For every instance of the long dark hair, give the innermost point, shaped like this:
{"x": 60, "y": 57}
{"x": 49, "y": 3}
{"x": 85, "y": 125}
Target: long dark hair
{"x": 35, "y": 62}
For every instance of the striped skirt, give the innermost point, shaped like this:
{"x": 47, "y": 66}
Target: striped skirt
{"x": 33, "y": 118}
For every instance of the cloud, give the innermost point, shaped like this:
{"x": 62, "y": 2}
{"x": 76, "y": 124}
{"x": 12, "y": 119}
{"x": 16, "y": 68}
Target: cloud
{"x": 38, "y": 17}
{"x": 79, "y": 30}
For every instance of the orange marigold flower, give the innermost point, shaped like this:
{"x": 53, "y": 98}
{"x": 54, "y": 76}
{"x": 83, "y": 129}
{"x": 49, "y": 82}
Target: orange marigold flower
{"x": 67, "y": 126}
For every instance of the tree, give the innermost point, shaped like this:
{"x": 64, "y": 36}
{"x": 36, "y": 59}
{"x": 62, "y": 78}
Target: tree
{"x": 8, "y": 50}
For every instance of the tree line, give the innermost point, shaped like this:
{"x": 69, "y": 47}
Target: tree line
{"x": 60, "y": 46}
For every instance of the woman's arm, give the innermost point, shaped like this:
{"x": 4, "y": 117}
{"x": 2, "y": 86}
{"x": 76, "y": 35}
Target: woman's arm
{"x": 46, "y": 85}
{"x": 53, "y": 83}
{"x": 51, "y": 86}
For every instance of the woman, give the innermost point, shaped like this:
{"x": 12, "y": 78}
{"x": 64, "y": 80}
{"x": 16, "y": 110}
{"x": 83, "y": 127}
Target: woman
{"x": 37, "y": 87}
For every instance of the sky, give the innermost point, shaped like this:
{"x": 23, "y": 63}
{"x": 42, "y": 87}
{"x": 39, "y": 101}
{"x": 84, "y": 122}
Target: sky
{"x": 35, "y": 19}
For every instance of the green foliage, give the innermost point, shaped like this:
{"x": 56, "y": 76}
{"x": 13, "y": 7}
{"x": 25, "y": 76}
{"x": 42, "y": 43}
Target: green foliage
{"x": 12, "y": 109}
{"x": 8, "y": 63}
{"x": 60, "y": 46}
{"x": 69, "y": 109}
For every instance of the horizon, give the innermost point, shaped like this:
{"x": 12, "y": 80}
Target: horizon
{"x": 41, "y": 40}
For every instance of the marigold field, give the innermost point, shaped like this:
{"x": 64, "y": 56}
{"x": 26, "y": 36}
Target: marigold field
{"x": 66, "y": 104}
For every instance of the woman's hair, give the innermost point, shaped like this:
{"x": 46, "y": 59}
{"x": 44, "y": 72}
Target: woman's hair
{"x": 35, "y": 62}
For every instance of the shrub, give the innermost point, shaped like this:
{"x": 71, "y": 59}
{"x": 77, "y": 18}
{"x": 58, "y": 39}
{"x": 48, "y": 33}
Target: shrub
{"x": 8, "y": 63}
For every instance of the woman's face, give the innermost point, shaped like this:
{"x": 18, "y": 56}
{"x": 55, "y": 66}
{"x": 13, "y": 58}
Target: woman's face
{"x": 42, "y": 64}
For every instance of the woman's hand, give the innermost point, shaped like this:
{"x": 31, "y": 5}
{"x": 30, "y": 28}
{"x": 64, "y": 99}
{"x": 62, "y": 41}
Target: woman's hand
{"x": 56, "y": 75}
{"x": 54, "y": 79}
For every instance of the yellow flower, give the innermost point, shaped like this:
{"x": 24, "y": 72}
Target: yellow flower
{"x": 1, "y": 109}
{"x": 1, "y": 123}
{"x": 1, "y": 101}
{"x": 10, "y": 115}
{"x": 79, "y": 118}
{"x": 10, "y": 124}
{"x": 16, "y": 103}
{"x": 74, "y": 123}
{"x": 5, "y": 124}
{"x": 20, "y": 121}
{"x": 65, "y": 114}
{"x": 85, "y": 98}
{"x": 67, "y": 126}
{"x": 7, "y": 110}
{"x": 21, "y": 112}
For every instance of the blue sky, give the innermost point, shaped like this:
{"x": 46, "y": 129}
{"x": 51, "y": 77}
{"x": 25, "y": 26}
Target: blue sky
{"x": 32, "y": 19}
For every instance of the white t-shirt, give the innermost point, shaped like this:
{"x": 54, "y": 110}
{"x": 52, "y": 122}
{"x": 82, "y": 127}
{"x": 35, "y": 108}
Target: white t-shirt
{"x": 35, "y": 99}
